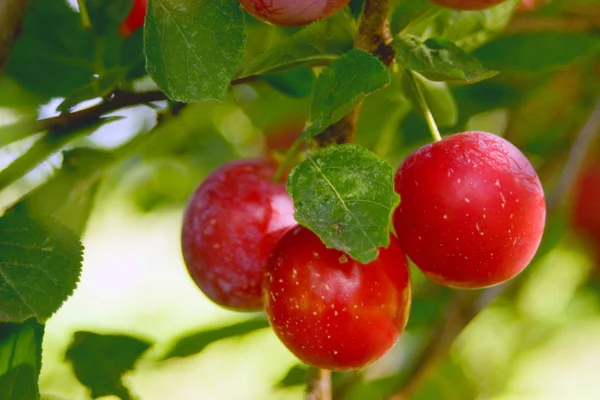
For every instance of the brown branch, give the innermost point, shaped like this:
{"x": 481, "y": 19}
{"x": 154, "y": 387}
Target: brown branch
{"x": 375, "y": 37}
{"x": 12, "y": 13}
{"x": 318, "y": 384}
{"x": 83, "y": 117}
{"x": 374, "y": 33}
{"x": 464, "y": 307}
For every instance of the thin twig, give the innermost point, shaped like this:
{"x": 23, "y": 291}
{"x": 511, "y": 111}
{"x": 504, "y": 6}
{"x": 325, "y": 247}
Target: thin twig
{"x": 12, "y": 13}
{"x": 466, "y": 305}
{"x": 318, "y": 384}
{"x": 576, "y": 158}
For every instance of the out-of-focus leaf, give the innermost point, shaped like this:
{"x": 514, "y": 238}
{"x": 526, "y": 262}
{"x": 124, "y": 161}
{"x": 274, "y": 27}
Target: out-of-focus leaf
{"x": 320, "y": 42}
{"x": 195, "y": 343}
{"x": 439, "y": 98}
{"x": 538, "y": 51}
{"x": 468, "y": 29}
{"x": 69, "y": 194}
{"x": 295, "y": 376}
{"x": 297, "y": 82}
{"x": 99, "y": 361}
{"x": 19, "y": 383}
{"x": 194, "y": 47}
{"x": 410, "y": 12}
{"x": 107, "y": 16}
{"x": 54, "y": 56}
{"x": 20, "y": 359}
{"x": 40, "y": 264}
{"x": 98, "y": 87}
{"x": 44, "y": 147}
{"x": 345, "y": 194}
{"x": 343, "y": 85}
{"x": 439, "y": 59}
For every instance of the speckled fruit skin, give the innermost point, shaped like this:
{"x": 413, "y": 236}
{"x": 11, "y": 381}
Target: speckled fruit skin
{"x": 135, "y": 19}
{"x": 292, "y": 12}
{"x": 231, "y": 224}
{"x": 467, "y": 5}
{"x": 472, "y": 210}
{"x": 331, "y": 311}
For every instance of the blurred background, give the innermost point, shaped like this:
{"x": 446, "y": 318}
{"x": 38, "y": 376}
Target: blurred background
{"x": 539, "y": 339}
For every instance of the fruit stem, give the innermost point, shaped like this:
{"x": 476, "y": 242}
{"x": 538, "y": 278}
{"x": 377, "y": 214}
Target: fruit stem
{"x": 85, "y": 16}
{"x": 318, "y": 384}
{"x": 288, "y": 158}
{"x": 422, "y": 103}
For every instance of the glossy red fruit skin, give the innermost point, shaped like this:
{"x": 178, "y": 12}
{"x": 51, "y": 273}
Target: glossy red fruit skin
{"x": 231, "y": 224}
{"x": 472, "y": 210}
{"x": 135, "y": 19}
{"x": 292, "y": 12}
{"x": 468, "y": 5}
{"x": 331, "y": 311}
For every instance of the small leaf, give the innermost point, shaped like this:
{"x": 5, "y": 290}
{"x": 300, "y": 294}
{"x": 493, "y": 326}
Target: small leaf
{"x": 20, "y": 359}
{"x": 99, "y": 87}
{"x": 297, "y": 82}
{"x": 194, "y": 48}
{"x": 439, "y": 60}
{"x": 99, "y": 361}
{"x": 107, "y": 16}
{"x": 39, "y": 266}
{"x": 409, "y": 12}
{"x": 20, "y": 383}
{"x": 196, "y": 342}
{"x": 319, "y": 42}
{"x": 345, "y": 194}
{"x": 342, "y": 86}
{"x": 295, "y": 376}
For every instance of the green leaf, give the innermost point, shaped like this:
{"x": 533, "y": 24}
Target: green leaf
{"x": 19, "y": 383}
{"x": 99, "y": 361}
{"x": 98, "y": 87}
{"x": 538, "y": 51}
{"x": 342, "y": 86}
{"x": 194, "y": 47}
{"x": 196, "y": 342}
{"x": 295, "y": 376}
{"x": 345, "y": 194}
{"x": 320, "y": 42}
{"x": 297, "y": 82}
{"x": 69, "y": 195}
{"x": 439, "y": 60}
{"x": 20, "y": 359}
{"x": 54, "y": 56}
{"x": 410, "y": 12}
{"x": 468, "y": 29}
{"x": 439, "y": 98}
{"x": 39, "y": 266}
{"x": 107, "y": 16}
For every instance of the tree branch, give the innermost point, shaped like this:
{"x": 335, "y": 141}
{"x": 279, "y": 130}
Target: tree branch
{"x": 12, "y": 13}
{"x": 318, "y": 384}
{"x": 375, "y": 37}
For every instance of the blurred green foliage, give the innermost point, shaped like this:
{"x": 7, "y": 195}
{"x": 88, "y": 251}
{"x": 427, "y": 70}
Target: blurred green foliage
{"x": 547, "y": 87}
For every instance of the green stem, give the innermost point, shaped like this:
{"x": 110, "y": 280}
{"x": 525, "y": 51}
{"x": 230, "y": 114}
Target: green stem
{"x": 422, "y": 103}
{"x": 85, "y": 16}
{"x": 288, "y": 158}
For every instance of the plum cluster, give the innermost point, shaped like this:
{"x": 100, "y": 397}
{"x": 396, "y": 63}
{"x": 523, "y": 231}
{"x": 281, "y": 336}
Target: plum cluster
{"x": 471, "y": 215}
